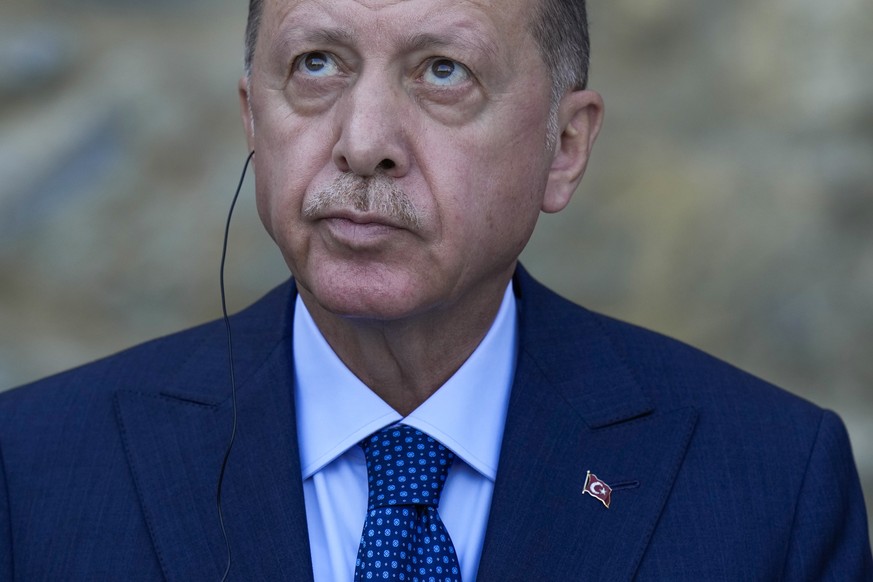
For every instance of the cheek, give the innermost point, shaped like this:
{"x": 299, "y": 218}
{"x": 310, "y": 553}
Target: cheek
{"x": 289, "y": 154}
{"x": 271, "y": 195}
{"x": 274, "y": 195}
{"x": 507, "y": 171}
{"x": 503, "y": 170}
{"x": 488, "y": 208}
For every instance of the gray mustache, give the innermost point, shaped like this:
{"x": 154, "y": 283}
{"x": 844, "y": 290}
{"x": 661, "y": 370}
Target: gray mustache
{"x": 378, "y": 194}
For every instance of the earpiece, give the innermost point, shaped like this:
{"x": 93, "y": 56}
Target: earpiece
{"x": 230, "y": 362}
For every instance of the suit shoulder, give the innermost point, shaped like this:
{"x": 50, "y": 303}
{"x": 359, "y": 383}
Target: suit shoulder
{"x": 670, "y": 372}
{"x": 142, "y": 367}
{"x": 133, "y": 368}
{"x": 681, "y": 371}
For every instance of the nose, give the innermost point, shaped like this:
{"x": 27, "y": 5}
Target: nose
{"x": 371, "y": 134}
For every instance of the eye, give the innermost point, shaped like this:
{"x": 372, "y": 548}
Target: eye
{"x": 445, "y": 72}
{"x": 317, "y": 64}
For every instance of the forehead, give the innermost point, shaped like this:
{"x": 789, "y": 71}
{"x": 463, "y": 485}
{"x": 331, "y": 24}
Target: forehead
{"x": 502, "y": 22}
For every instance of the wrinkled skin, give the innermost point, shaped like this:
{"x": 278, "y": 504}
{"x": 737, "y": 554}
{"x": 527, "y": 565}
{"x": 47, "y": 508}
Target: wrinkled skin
{"x": 450, "y": 101}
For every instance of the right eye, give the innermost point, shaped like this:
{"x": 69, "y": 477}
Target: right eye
{"x": 317, "y": 64}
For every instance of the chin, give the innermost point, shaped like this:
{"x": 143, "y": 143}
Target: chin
{"x": 370, "y": 295}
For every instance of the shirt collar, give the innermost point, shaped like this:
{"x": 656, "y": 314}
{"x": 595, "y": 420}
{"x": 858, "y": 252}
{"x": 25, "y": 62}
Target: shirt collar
{"x": 335, "y": 410}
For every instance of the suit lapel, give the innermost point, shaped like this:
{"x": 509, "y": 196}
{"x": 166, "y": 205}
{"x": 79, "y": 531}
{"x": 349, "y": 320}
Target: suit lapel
{"x": 575, "y": 407}
{"x": 175, "y": 441}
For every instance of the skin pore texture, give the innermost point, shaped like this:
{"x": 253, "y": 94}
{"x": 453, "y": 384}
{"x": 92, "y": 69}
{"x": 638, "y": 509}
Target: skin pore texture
{"x": 401, "y": 166}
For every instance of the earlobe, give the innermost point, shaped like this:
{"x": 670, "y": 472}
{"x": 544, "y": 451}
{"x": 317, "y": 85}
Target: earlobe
{"x": 580, "y": 115}
{"x": 246, "y": 112}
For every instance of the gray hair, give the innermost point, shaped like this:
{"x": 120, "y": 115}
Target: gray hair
{"x": 561, "y": 30}
{"x": 253, "y": 25}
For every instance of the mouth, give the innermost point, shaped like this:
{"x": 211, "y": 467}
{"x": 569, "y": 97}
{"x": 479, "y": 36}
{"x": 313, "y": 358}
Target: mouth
{"x": 354, "y": 218}
{"x": 359, "y": 230}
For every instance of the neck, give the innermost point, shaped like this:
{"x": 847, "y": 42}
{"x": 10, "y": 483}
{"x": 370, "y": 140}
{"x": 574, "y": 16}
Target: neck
{"x": 404, "y": 361}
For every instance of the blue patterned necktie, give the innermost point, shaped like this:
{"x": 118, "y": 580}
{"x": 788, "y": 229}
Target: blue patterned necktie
{"x": 404, "y": 537}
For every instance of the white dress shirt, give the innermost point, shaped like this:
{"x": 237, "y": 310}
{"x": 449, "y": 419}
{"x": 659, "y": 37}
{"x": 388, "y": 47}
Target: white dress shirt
{"x": 335, "y": 411}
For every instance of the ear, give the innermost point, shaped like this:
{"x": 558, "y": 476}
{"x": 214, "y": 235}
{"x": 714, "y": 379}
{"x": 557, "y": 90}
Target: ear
{"x": 245, "y": 110}
{"x": 580, "y": 115}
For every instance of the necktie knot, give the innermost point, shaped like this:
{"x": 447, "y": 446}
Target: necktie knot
{"x": 404, "y": 537}
{"x": 405, "y": 467}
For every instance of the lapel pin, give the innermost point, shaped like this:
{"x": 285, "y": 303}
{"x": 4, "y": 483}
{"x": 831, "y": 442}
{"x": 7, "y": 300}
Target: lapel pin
{"x": 597, "y": 489}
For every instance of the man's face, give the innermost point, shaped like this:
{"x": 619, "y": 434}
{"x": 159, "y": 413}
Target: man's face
{"x": 441, "y": 106}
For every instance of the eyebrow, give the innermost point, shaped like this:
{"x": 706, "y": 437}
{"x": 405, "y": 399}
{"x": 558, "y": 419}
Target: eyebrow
{"x": 328, "y": 36}
{"x": 314, "y": 36}
{"x": 412, "y": 43}
{"x": 418, "y": 41}
{"x": 425, "y": 40}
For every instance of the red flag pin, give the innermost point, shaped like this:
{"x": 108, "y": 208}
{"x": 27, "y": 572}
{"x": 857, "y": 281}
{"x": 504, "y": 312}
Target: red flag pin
{"x": 597, "y": 489}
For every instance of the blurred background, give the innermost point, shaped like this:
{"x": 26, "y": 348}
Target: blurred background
{"x": 729, "y": 201}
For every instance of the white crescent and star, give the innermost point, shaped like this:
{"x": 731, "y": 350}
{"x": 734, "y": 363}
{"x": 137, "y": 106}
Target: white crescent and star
{"x": 597, "y": 489}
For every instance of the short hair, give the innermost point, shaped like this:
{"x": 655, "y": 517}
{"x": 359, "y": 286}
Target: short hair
{"x": 560, "y": 29}
{"x": 253, "y": 25}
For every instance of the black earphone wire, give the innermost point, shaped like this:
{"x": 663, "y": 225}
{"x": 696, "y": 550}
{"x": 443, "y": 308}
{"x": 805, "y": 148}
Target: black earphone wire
{"x": 230, "y": 359}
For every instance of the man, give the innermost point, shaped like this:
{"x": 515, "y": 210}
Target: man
{"x": 403, "y": 151}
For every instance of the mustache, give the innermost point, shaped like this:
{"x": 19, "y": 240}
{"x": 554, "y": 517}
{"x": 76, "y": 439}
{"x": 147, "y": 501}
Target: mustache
{"x": 377, "y": 193}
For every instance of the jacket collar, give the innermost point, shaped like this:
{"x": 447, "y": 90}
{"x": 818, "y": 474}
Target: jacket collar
{"x": 175, "y": 438}
{"x": 576, "y": 407}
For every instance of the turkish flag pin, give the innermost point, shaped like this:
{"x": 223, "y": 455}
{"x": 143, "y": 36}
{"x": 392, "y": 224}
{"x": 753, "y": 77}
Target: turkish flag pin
{"x": 597, "y": 489}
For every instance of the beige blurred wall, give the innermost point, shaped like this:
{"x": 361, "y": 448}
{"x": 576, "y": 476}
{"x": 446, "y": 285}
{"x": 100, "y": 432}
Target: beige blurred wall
{"x": 729, "y": 201}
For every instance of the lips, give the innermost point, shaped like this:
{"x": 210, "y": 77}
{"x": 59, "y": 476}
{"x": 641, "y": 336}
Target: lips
{"x": 356, "y": 230}
{"x": 364, "y": 219}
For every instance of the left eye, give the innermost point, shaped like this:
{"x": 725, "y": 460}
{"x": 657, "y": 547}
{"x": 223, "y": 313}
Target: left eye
{"x": 317, "y": 64}
{"x": 445, "y": 72}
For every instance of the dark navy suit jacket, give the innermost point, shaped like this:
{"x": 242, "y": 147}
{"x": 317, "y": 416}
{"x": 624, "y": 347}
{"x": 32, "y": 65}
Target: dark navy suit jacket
{"x": 108, "y": 472}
